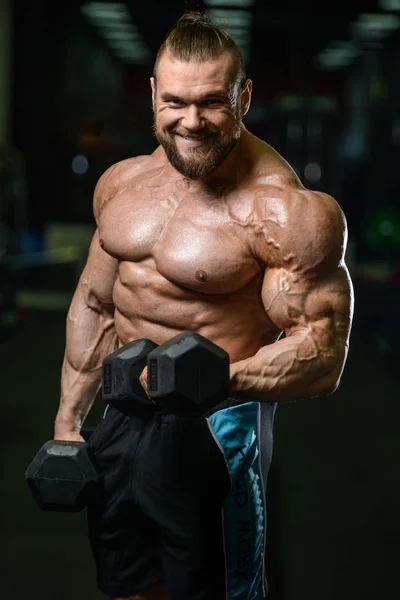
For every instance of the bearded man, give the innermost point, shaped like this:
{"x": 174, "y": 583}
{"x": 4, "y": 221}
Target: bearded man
{"x": 214, "y": 234}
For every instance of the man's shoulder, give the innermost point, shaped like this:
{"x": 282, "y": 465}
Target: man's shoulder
{"x": 309, "y": 227}
{"x": 278, "y": 193}
{"x": 318, "y": 213}
{"x": 283, "y": 194}
{"x": 121, "y": 174}
{"x": 127, "y": 170}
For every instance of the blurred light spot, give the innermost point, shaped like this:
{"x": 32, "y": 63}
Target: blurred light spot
{"x": 312, "y": 172}
{"x": 386, "y": 228}
{"x": 390, "y": 5}
{"x": 230, "y": 17}
{"x": 80, "y": 164}
{"x": 290, "y": 103}
{"x": 120, "y": 34}
{"x": 381, "y": 231}
{"x": 114, "y": 24}
{"x": 239, "y": 34}
{"x": 371, "y": 26}
{"x": 337, "y": 54}
{"x": 105, "y": 10}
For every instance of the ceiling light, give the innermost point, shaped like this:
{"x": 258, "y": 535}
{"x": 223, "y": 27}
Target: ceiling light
{"x": 331, "y": 60}
{"x": 390, "y": 5}
{"x": 231, "y": 17}
{"x": 382, "y": 21}
{"x": 239, "y": 36}
{"x": 113, "y": 23}
{"x": 105, "y": 10}
{"x": 336, "y": 55}
{"x": 343, "y": 47}
{"x": 371, "y": 26}
{"x": 120, "y": 35}
{"x": 109, "y": 20}
{"x": 117, "y": 28}
{"x": 129, "y": 45}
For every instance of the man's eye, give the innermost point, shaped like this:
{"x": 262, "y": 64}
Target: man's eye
{"x": 211, "y": 102}
{"x": 175, "y": 102}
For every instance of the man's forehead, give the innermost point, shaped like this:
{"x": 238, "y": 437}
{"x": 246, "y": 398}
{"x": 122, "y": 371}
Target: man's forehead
{"x": 193, "y": 74}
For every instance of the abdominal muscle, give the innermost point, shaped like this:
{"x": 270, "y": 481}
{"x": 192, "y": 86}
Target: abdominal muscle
{"x": 147, "y": 305}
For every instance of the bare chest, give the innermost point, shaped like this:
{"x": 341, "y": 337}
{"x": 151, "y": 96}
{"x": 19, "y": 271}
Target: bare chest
{"x": 195, "y": 245}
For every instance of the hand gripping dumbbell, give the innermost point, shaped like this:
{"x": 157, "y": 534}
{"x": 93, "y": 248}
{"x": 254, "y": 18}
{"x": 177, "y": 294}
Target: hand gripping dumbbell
{"x": 63, "y": 476}
{"x": 188, "y": 376}
{"x": 120, "y": 385}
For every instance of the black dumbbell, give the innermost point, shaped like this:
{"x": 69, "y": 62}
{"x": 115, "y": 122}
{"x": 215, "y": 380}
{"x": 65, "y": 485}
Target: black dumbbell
{"x": 63, "y": 476}
{"x": 188, "y": 375}
{"x": 121, "y": 370}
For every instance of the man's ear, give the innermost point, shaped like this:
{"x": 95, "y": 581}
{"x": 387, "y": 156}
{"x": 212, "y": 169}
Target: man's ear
{"x": 246, "y": 96}
{"x": 153, "y": 91}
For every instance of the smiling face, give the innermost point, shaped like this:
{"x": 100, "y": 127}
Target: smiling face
{"x": 197, "y": 112}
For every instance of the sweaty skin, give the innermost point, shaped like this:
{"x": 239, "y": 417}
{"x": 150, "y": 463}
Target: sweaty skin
{"x": 238, "y": 264}
{"x": 213, "y": 233}
{"x": 242, "y": 254}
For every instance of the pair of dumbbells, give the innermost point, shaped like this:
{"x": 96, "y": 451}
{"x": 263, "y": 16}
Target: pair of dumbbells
{"x": 187, "y": 376}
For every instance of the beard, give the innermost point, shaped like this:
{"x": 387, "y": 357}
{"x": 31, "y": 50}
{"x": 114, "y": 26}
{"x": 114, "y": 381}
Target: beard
{"x": 198, "y": 162}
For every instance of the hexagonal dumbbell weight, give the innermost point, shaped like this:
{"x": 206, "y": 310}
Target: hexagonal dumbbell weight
{"x": 121, "y": 370}
{"x": 63, "y": 476}
{"x": 188, "y": 375}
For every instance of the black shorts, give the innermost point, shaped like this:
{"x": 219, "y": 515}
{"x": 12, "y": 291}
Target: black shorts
{"x": 183, "y": 501}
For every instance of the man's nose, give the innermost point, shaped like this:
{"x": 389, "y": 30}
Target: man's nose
{"x": 192, "y": 118}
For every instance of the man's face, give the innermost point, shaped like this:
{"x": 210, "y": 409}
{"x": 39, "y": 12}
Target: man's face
{"x": 197, "y": 115}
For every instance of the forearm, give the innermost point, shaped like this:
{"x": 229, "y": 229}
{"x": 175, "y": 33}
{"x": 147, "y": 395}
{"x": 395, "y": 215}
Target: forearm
{"x": 90, "y": 337}
{"x": 78, "y": 392}
{"x": 292, "y": 368}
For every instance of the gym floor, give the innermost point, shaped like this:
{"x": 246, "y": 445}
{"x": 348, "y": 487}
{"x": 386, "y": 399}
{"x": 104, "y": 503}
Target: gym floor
{"x": 334, "y": 487}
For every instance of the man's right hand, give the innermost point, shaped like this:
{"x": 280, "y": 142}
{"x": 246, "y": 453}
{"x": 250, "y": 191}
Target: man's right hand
{"x": 66, "y": 433}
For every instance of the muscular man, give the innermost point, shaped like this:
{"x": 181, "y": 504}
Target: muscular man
{"x": 213, "y": 233}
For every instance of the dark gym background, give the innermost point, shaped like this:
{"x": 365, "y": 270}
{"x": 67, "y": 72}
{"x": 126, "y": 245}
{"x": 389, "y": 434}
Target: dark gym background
{"x": 75, "y": 98}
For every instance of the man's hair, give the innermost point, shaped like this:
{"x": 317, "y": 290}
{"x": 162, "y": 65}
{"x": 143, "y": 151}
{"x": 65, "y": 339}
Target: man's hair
{"x": 195, "y": 37}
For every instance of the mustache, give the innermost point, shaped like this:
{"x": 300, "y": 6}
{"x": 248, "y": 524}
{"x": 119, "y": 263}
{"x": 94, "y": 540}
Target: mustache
{"x": 195, "y": 136}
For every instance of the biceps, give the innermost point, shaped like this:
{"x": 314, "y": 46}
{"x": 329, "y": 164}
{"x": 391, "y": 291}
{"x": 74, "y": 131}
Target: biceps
{"x": 321, "y": 308}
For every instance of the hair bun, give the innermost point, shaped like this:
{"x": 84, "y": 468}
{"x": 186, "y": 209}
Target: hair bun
{"x": 194, "y": 17}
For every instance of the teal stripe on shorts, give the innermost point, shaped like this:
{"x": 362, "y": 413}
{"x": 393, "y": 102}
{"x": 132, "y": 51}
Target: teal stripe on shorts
{"x": 236, "y": 431}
